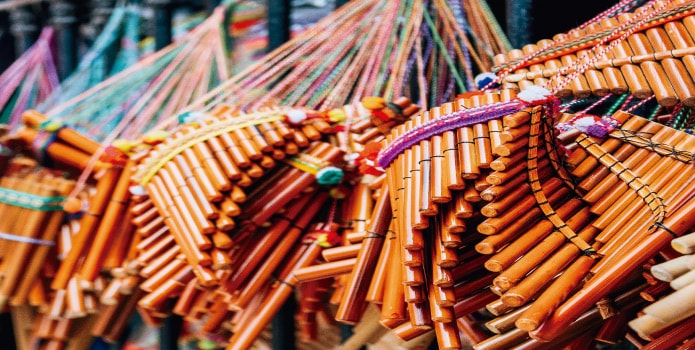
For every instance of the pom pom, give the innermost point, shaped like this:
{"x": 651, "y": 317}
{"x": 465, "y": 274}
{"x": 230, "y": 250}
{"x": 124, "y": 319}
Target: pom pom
{"x": 584, "y": 122}
{"x": 328, "y": 239}
{"x": 51, "y": 125}
{"x": 373, "y": 102}
{"x": 123, "y": 145}
{"x": 113, "y": 156}
{"x": 137, "y": 190}
{"x": 296, "y": 116}
{"x": 190, "y": 118}
{"x": 72, "y": 205}
{"x": 329, "y": 175}
{"x": 366, "y": 161}
{"x": 336, "y": 115}
{"x": 534, "y": 95}
{"x": 486, "y": 79}
{"x": 597, "y": 130}
{"x": 155, "y": 137}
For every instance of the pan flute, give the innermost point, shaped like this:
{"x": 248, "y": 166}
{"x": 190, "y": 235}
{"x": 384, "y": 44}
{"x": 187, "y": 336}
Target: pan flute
{"x": 655, "y": 59}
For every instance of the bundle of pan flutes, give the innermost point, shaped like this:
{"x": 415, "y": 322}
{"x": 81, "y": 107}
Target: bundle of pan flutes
{"x": 223, "y": 219}
{"x": 478, "y": 222}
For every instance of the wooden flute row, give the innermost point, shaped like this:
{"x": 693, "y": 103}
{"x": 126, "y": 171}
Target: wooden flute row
{"x": 212, "y": 225}
{"x": 657, "y": 59}
{"x": 195, "y": 221}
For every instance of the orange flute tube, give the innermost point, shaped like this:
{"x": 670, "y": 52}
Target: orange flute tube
{"x": 353, "y": 301}
{"x": 103, "y": 237}
{"x": 88, "y": 225}
{"x": 607, "y": 278}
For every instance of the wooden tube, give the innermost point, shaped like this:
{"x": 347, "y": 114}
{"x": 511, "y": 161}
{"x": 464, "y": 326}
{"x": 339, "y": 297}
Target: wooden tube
{"x": 579, "y": 85}
{"x": 202, "y": 154}
{"x": 502, "y": 341}
{"x": 441, "y": 160}
{"x": 452, "y": 164}
{"x": 530, "y": 49}
{"x": 473, "y": 303}
{"x": 504, "y": 323}
{"x": 181, "y": 233}
{"x": 375, "y": 292}
{"x": 260, "y": 248}
{"x": 418, "y": 221}
{"x": 191, "y": 190}
{"x": 671, "y": 338}
{"x": 605, "y": 279}
{"x": 25, "y": 261}
{"x": 635, "y": 79}
{"x": 545, "y": 248}
{"x": 684, "y": 244}
{"x": 673, "y": 68}
{"x": 302, "y": 181}
{"x": 33, "y": 119}
{"x": 229, "y": 156}
{"x": 341, "y": 252}
{"x": 521, "y": 293}
{"x": 447, "y": 335}
{"x": 245, "y": 337}
{"x": 544, "y": 305}
{"x": 493, "y": 225}
{"x": 195, "y": 221}
{"x": 426, "y": 205}
{"x": 595, "y": 79}
{"x": 609, "y": 183}
{"x": 393, "y": 309}
{"x": 353, "y": 301}
{"x": 325, "y": 270}
{"x": 467, "y": 156}
{"x": 103, "y": 237}
{"x": 196, "y": 177}
{"x": 468, "y": 327}
{"x": 166, "y": 272}
{"x": 275, "y": 258}
{"x": 669, "y": 270}
{"x": 653, "y": 71}
{"x": 88, "y": 226}
{"x": 502, "y": 177}
{"x": 588, "y": 165}
{"x": 156, "y": 264}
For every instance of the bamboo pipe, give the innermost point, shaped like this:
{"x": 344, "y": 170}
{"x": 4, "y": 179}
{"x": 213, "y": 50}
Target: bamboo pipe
{"x": 684, "y": 244}
{"x": 103, "y": 237}
{"x": 353, "y": 301}
{"x": 39, "y": 253}
{"x": 605, "y": 279}
{"x": 88, "y": 226}
{"x": 393, "y": 308}
{"x": 302, "y": 181}
{"x": 522, "y": 291}
{"x": 634, "y": 77}
{"x": 377, "y": 285}
{"x": 18, "y": 256}
{"x": 653, "y": 71}
{"x": 452, "y": 172}
{"x": 588, "y": 166}
{"x": 465, "y": 145}
{"x": 675, "y": 70}
{"x": 542, "y": 250}
{"x": 260, "y": 248}
{"x": 247, "y": 335}
{"x": 60, "y": 151}
{"x": 418, "y": 221}
{"x": 34, "y": 119}
{"x": 274, "y": 259}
